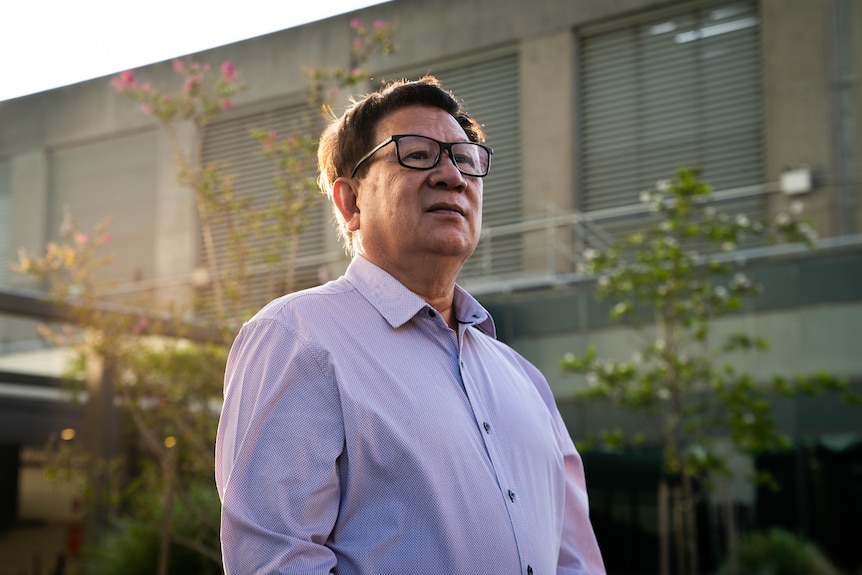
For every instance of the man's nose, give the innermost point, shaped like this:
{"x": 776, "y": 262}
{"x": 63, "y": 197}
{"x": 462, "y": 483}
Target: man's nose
{"x": 446, "y": 172}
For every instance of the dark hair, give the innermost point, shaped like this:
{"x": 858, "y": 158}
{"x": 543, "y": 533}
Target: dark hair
{"x": 349, "y": 137}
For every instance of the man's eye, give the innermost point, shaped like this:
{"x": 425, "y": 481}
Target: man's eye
{"x": 418, "y": 155}
{"x": 465, "y": 160}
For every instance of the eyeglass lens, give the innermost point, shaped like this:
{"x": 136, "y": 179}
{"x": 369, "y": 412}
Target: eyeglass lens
{"x": 424, "y": 153}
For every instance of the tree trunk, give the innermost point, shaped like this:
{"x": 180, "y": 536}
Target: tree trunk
{"x": 169, "y": 471}
{"x": 663, "y": 527}
{"x": 690, "y": 524}
{"x": 679, "y": 530}
{"x": 730, "y": 533}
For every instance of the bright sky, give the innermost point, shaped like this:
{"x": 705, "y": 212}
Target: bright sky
{"x": 45, "y": 44}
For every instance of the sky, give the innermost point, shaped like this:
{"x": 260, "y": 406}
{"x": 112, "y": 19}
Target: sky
{"x": 50, "y": 43}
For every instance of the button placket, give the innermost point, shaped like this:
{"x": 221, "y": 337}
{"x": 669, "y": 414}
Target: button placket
{"x": 485, "y": 424}
{"x": 494, "y": 450}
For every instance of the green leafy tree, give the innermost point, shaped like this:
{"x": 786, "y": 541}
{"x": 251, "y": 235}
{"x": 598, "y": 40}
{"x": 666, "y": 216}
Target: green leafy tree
{"x": 671, "y": 281}
{"x": 163, "y": 505}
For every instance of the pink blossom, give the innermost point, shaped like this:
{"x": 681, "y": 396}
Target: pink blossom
{"x": 226, "y": 104}
{"x": 192, "y": 82}
{"x": 271, "y": 138}
{"x": 228, "y": 71}
{"x": 140, "y": 325}
{"x": 357, "y": 43}
{"x": 81, "y": 238}
{"x": 124, "y": 81}
{"x": 206, "y": 67}
{"x": 106, "y": 237}
{"x": 379, "y": 24}
{"x": 146, "y": 108}
{"x": 179, "y": 67}
{"x": 335, "y": 89}
{"x": 356, "y": 23}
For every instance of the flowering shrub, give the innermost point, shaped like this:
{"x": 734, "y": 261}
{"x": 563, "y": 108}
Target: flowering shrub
{"x": 69, "y": 264}
{"x": 199, "y": 100}
{"x": 379, "y": 39}
{"x": 202, "y": 96}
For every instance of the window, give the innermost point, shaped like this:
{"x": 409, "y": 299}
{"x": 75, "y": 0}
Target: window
{"x": 490, "y": 89}
{"x": 671, "y": 89}
{"x": 229, "y": 142}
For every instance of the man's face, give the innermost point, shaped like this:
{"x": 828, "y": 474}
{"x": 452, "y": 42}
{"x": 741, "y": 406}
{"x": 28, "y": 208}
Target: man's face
{"x": 406, "y": 215}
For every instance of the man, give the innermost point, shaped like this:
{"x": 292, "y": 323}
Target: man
{"x": 374, "y": 425}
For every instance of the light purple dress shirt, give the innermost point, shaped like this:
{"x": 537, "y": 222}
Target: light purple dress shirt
{"x": 360, "y": 436}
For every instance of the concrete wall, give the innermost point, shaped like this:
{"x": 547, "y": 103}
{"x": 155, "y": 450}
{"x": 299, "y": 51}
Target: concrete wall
{"x": 812, "y": 67}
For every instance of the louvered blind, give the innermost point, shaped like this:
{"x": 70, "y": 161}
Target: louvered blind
{"x": 669, "y": 90}
{"x": 229, "y": 143}
{"x": 490, "y": 89}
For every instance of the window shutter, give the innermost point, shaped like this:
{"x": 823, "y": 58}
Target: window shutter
{"x": 490, "y": 89}
{"x": 660, "y": 92}
{"x": 229, "y": 143}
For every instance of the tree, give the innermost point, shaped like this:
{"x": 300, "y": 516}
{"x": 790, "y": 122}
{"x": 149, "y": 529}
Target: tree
{"x": 169, "y": 387}
{"x": 674, "y": 275}
{"x": 276, "y": 225}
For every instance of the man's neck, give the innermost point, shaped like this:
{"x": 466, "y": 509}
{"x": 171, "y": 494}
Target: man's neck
{"x": 432, "y": 279}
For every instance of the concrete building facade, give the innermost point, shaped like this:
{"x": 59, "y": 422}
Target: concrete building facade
{"x": 586, "y": 103}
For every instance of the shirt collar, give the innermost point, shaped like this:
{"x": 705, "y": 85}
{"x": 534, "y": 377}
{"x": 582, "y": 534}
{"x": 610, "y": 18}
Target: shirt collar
{"x": 398, "y": 305}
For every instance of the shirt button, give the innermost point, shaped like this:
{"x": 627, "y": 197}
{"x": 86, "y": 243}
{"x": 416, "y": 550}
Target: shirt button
{"x": 487, "y": 427}
{"x": 431, "y": 313}
{"x": 511, "y": 496}
{"x": 529, "y": 570}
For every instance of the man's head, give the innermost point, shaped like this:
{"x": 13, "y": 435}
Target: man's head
{"x": 343, "y": 155}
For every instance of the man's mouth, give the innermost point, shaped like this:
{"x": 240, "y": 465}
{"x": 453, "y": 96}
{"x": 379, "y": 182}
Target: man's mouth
{"x": 443, "y": 207}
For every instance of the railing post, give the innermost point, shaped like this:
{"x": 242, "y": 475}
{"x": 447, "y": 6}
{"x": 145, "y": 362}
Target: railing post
{"x": 580, "y": 243}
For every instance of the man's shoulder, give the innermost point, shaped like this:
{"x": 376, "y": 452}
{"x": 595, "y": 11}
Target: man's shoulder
{"x": 315, "y": 302}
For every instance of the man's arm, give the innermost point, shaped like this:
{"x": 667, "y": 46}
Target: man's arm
{"x": 579, "y": 550}
{"x": 279, "y": 437}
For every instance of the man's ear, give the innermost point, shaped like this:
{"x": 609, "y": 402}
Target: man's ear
{"x": 345, "y": 195}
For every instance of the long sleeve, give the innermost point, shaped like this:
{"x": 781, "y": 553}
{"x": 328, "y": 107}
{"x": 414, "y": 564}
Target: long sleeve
{"x": 279, "y": 437}
{"x": 579, "y": 550}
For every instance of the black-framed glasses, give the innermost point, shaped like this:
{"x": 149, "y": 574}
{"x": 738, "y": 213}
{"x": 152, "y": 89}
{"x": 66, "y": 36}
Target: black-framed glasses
{"x": 423, "y": 153}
